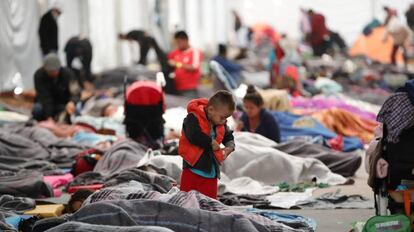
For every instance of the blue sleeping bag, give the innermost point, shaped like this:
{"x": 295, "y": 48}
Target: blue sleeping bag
{"x": 298, "y": 126}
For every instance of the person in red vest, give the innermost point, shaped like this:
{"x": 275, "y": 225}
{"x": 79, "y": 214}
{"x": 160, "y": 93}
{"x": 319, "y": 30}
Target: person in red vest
{"x": 187, "y": 62}
{"x": 319, "y": 36}
{"x": 204, "y": 129}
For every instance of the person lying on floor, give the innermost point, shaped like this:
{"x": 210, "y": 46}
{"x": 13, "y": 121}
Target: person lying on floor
{"x": 57, "y": 91}
{"x": 204, "y": 129}
{"x": 76, "y": 200}
{"x": 256, "y": 119}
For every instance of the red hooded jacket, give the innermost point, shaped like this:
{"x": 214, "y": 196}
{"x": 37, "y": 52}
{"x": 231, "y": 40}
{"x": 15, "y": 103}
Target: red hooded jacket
{"x": 192, "y": 153}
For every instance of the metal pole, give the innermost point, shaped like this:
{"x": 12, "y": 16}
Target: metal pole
{"x": 373, "y": 6}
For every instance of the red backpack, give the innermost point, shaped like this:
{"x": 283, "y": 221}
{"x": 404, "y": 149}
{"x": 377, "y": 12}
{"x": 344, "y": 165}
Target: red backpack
{"x": 86, "y": 161}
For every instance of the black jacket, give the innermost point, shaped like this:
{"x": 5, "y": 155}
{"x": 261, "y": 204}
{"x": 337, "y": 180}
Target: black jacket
{"x": 410, "y": 18}
{"x": 53, "y": 93}
{"x": 195, "y": 136}
{"x": 81, "y": 48}
{"x": 145, "y": 43}
{"x": 48, "y": 33}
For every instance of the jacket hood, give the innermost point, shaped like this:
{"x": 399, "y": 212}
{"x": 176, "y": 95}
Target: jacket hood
{"x": 197, "y": 106}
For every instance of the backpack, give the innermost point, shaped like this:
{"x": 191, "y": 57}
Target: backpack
{"x": 394, "y": 223}
{"x": 85, "y": 161}
{"x": 373, "y": 154}
{"x": 144, "y": 107}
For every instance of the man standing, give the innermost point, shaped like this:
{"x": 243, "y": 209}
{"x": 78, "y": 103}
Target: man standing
{"x": 48, "y": 31}
{"x": 319, "y": 36}
{"x": 187, "y": 63}
{"x": 399, "y": 32}
{"x": 57, "y": 91}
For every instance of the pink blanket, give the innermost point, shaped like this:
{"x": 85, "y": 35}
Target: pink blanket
{"x": 57, "y": 181}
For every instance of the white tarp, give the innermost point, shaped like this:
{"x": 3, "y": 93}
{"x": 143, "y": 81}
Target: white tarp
{"x": 208, "y": 23}
{"x": 19, "y": 43}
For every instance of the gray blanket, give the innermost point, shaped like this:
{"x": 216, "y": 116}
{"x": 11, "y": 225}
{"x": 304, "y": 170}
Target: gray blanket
{"x": 149, "y": 180}
{"x": 15, "y": 163}
{"x": 38, "y": 144}
{"x": 156, "y": 213}
{"x": 16, "y": 204}
{"x": 14, "y": 145}
{"x": 345, "y": 164}
{"x": 121, "y": 156}
{"x": 24, "y": 184}
{"x": 157, "y": 182}
{"x": 188, "y": 200}
{"x": 83, "y": 227}
{"x": 256, "y": 158}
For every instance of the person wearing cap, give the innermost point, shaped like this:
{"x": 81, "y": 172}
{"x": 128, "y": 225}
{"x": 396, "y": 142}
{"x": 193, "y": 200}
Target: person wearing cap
{"x": 57, "y": 90}
{"x": 48, "y": 31}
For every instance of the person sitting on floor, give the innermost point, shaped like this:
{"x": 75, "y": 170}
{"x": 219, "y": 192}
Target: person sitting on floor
{"x": 57, "y": 91}
{"x": 232, "y": 68}
{"x": 256, "y": 119}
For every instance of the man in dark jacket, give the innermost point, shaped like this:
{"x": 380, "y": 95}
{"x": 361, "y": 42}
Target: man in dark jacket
{"x": 410, "y": 17}
{"x": 57, "y": 91}
{"x": 48, "y": 31}
{"x": 146, "y": 42}
{"x": 143, "y": 39}
{"x": 79, "y": 48}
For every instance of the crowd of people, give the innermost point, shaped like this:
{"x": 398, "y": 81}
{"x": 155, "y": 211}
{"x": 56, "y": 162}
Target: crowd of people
{"x": 306, "y": 103}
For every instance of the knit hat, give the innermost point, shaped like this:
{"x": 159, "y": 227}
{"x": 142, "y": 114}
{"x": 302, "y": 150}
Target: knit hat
{"x": 51, "y": 62}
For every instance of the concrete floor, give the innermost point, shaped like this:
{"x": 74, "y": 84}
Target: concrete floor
{"x": 339, "y": 220}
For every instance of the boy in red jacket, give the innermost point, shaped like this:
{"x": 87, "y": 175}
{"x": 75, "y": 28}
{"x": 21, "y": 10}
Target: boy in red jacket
{"x": 204, "y": 129}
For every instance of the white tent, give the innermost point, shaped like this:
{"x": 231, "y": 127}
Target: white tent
{"x": 208, "y": 23}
